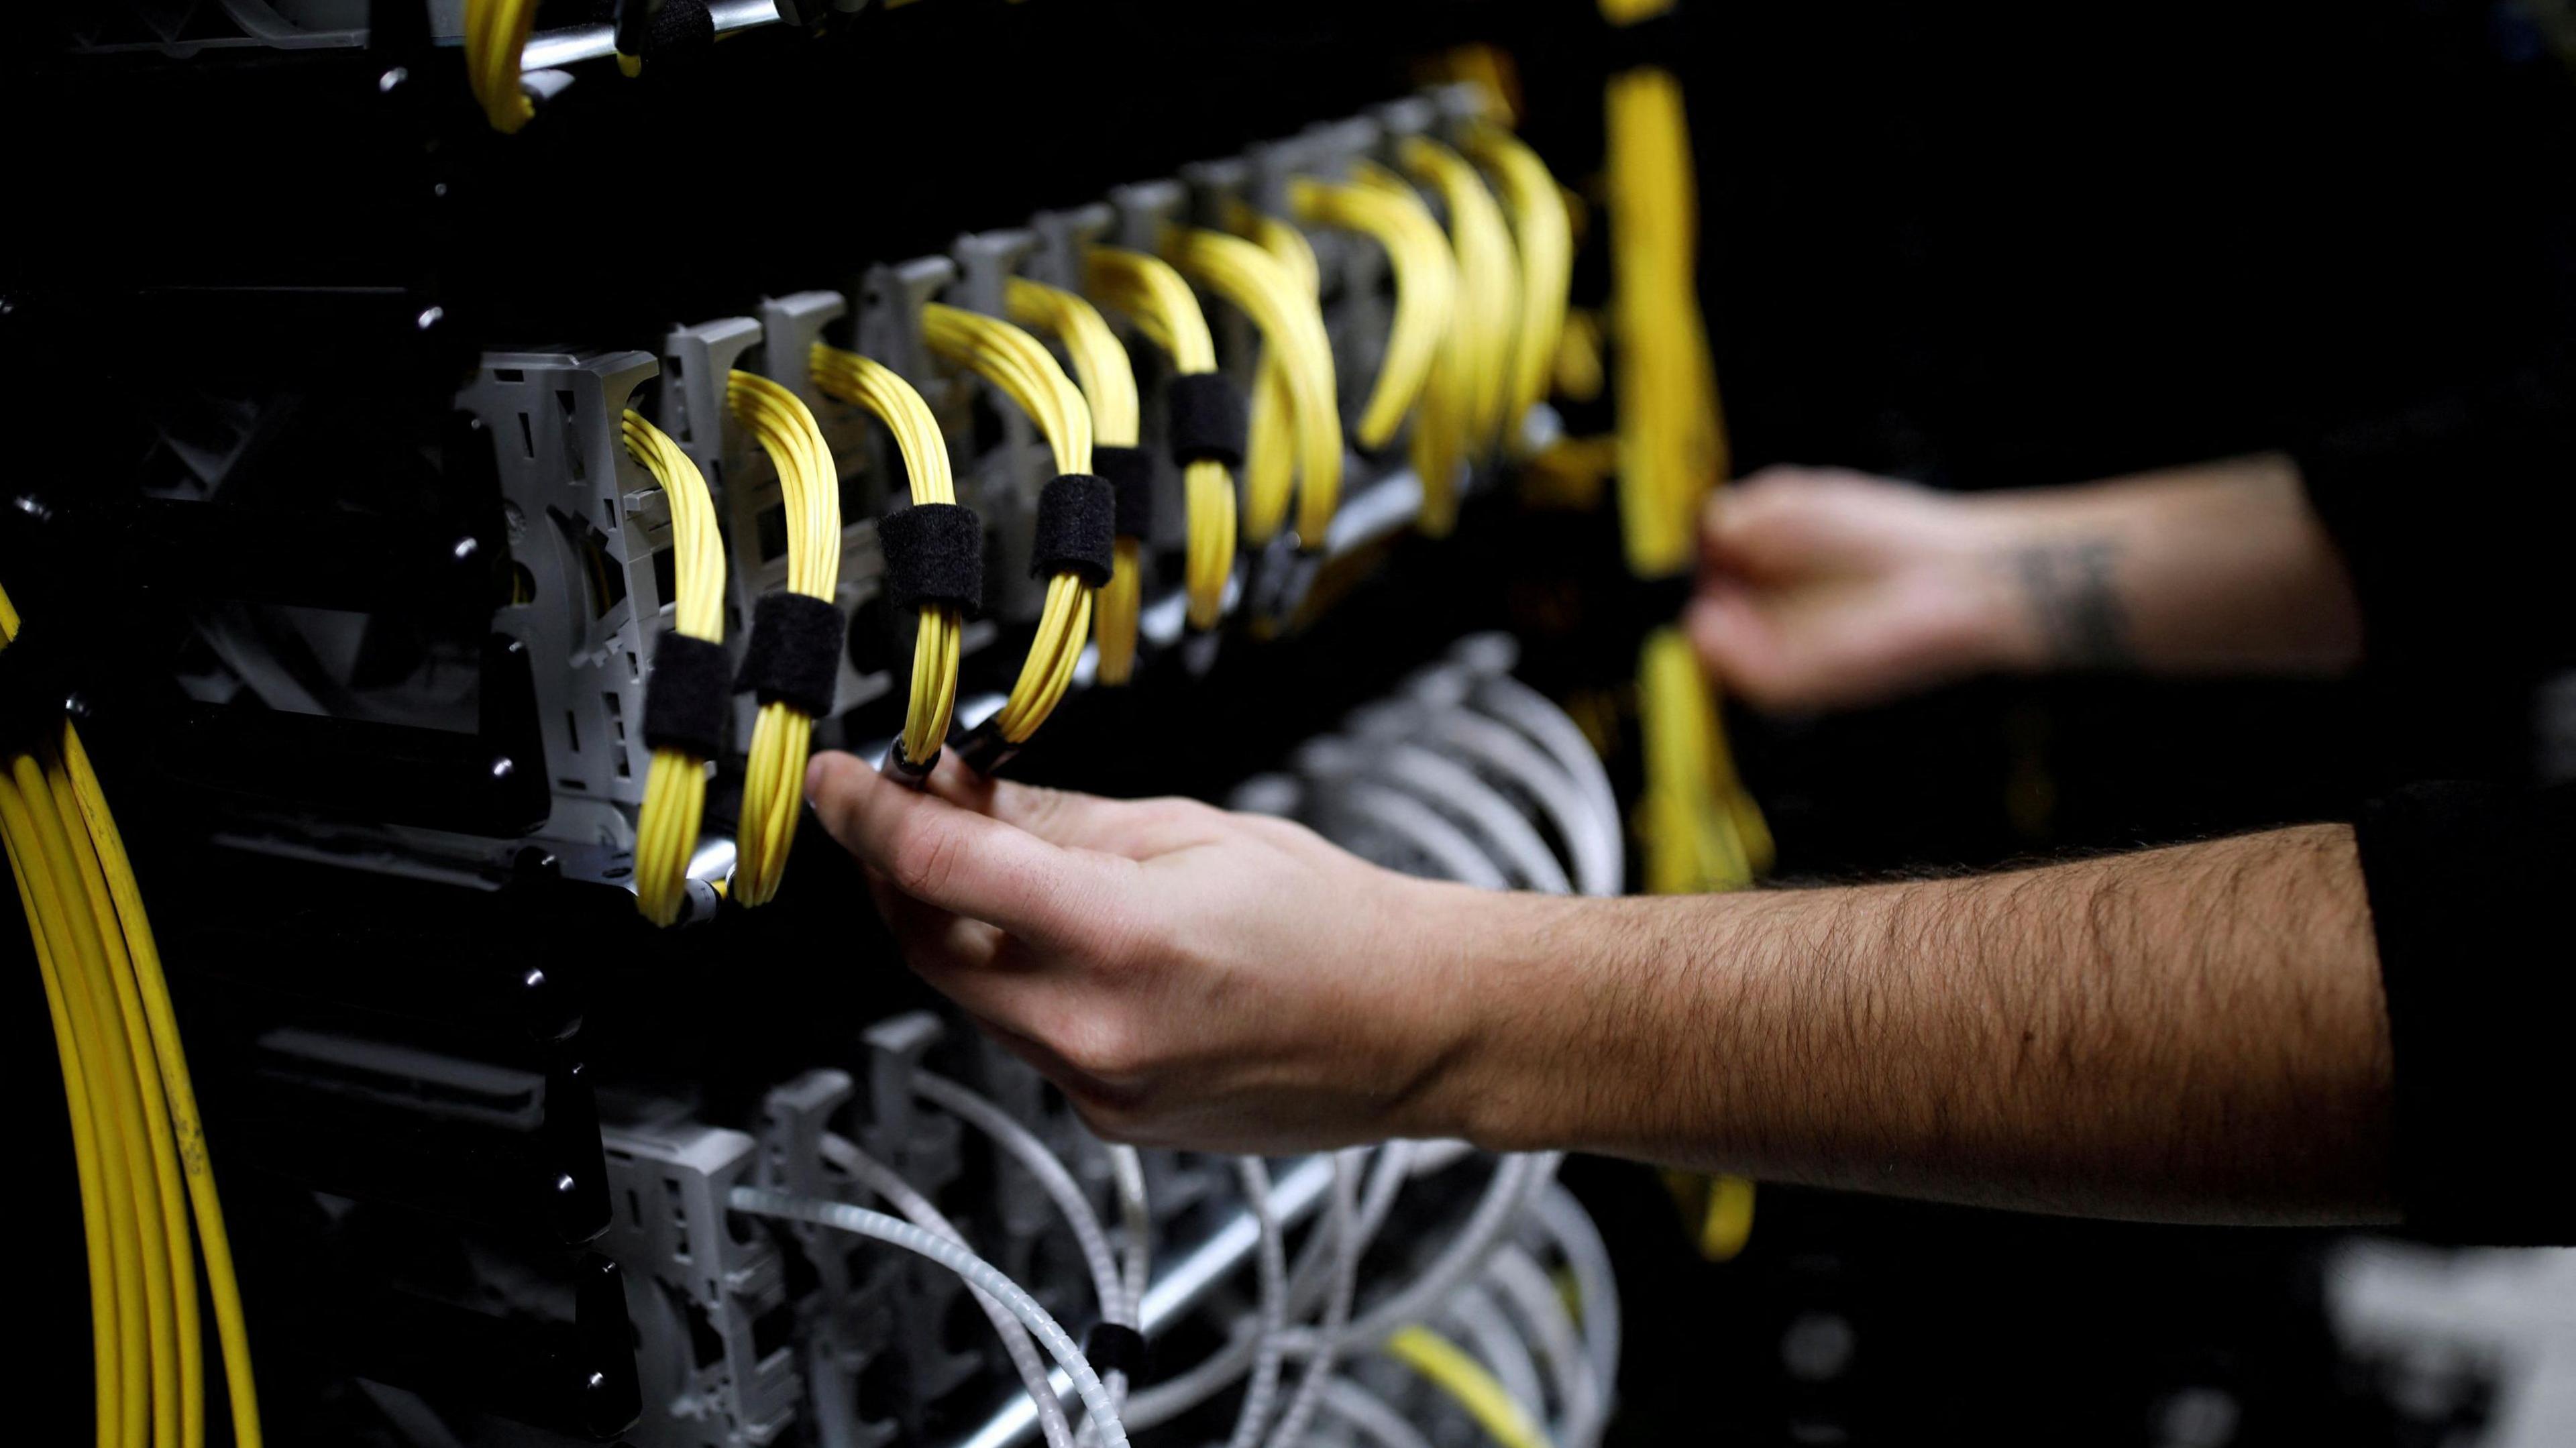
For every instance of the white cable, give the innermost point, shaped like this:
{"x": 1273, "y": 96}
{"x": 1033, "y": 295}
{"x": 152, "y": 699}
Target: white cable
{"x": 1341, "y": 1231}
{"x": 1533, "y": 1298}
{"x": 1370, "y": 1414}
{"x": 877, "y": 1177}
{"x": 1537, "y": 716}
{"x": 1053, "y": 1178}
{"x": 1596, "y": 1286}
{"x": 841, "y": 1216}
{"x": 1496, "y": 1340}
{"x": 1515, "y": 1180}
{"x": 1127, "y": 1171}
{"x": 1272, "y": 1264}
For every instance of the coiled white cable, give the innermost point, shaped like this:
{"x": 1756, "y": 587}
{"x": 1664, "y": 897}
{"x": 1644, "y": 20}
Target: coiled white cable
{"x": 1532, "y": 1298}
{"x": 1341, "y": 1232}
{"x": 859, "y": 1221}
{"x": 1596, "y": 1286}
{"x": 1053, "y": 1178}
{"x": 1497, "y": 1341}
{"x": 1370, "y": 1414}
{"x": 883, "y": 1180}
{"x": 1515, "y": 1181}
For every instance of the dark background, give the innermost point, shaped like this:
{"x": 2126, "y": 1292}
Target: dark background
{"x": 1977, "y": 245}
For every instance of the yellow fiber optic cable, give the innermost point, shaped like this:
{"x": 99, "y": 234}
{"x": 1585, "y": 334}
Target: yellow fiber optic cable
{"x": 1488, "y": 281}
{"x": 1544, "y": 234}
{"x": 1020, "y": 366}
{"x": 1426, "y": 287}
{"x": 1108, "y": 382}
{"x": 876, "y": 387}
{"x": 1469, "y": 1384}
{"x": 773, "y": 787}
{"x": 1158, "y": 300}
{"x": 1293, "y": 399}
{"x": 675, "y": 784}
{"x": 496, "y": 32}
{"x": 137, "y": 1142}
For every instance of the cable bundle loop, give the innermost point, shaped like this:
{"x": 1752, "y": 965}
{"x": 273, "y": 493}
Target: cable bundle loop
{"x": 1108, "y": 382}
{"x": 959, "y": 540}
{"x": 1426, "y": 287}
{"x": 1158, "y": 300}
{"x": 689, "y": 690}
{"x": 1293, "y": 393}
{"x": 788, "y": 631}
{"x": 1544, "y": 235}
{"x": 496, "y": 32}
{"x": 1020, "y": 366}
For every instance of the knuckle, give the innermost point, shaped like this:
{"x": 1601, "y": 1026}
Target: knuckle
{"x": 925, "y": 861}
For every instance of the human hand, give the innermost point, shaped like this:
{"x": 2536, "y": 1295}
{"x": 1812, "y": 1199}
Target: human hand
{"x": 1188, "y": 976}
{"x": 1821, "y": 588}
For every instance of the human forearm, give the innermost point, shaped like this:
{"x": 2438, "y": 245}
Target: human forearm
{"x": 2186, "y": 1033}
{"x": 2215, "y": 568}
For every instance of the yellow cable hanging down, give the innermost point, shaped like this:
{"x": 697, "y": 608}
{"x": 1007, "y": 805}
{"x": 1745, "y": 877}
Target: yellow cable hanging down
{"x": 1021, "y": 367}
{"x": 1159, "y": 301}
{"x": 1544, "y": 234}
{"x": 773, "y": 786}
{"x": 675, "y": 784}
{"x": 496, "y": 32}
{"x": 1462, "y": 413}
{"x": 878, "y": 388}
{"x": 1108, "y": 382}
{"x": 1293, "y": 395}
{"x": 1426, "y": 287}
{"x": 137, "y": 1143}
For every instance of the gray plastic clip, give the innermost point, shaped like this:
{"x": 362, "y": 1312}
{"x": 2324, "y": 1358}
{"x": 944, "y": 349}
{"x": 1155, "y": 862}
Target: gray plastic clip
{"x": 1144, "y": 209}
{"x": 890, "y": 302}
{"x": 1062, "y": 237}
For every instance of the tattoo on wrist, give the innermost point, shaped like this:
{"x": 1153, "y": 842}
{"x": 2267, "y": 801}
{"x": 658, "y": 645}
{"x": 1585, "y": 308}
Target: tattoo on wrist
{"x": 2072, "y": 598}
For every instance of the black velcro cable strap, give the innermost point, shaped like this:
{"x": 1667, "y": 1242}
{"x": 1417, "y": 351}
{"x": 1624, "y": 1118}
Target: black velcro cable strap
{"x": 1130, "y": 471}
{"x": 663, "y": 27}
{"x": 688, "y": 696}
{"x": 1114, "y": 1347}
{"x": 795, "y": 653}
{"x": 1076, "y": 529}
{"x": 934, "y": 553}
{"x": 1207, "y": 419}
{"x": 35, "y": 682}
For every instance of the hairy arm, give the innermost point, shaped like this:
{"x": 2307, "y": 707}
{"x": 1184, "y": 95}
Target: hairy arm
{"x": 2192, "y": 1033}
{"x": 2188, "y": 1033}
{"x": 1824, "y": 588}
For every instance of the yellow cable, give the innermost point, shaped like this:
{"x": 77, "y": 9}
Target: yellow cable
{"x": 76, "y": 1073}
{"x": 137, "y": 1125}
{"x": 1544, "y": 234}
{"x": 1488, "y": 282}
{"x": 675, "y": 784}
{"x": 1451, "y": 1369}
{"x": 870, "y": 384}
{"x": 1158, "y": 300}
{"x": 214, "y": 1243}
{"x": 773, "y": 787}
{"x": 1108, "y": 382}
{"x": 1293, "y": 401}
{"x": 151, "y": 1375}
{"x": 496, "y": 32}
{"x": 1426, "y": 287}
{"x": 1020, "y": 366}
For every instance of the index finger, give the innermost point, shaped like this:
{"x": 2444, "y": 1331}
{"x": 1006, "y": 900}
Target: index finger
{"x": 959, "y": 860}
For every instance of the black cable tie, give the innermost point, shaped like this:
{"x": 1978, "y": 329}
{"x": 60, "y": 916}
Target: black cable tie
{"x": 1130, "y": 471}
{"x": 1206, "y": 419}
{"x": 1076, "y": 529}
{"x": 794, "y": 657}
{"x": 1114, "y": 1347}
{"x": 688, "y": 696}
{"x": 934, "y": 553}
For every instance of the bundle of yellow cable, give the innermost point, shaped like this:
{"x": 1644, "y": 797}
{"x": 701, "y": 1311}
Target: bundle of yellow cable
{"x": 1489, "y": 286}
{"x": 675, "y": 784}
{"x": 1544, "y": 235}
{"x": 773, "y": 786}
{"x": 1159, "y": 301}
{"x": 1293, "y": 396}
{"x": 137, "y": 1144}
{"x": 1108, "y": 382}
{"x": 1021, "y": 367}
{"x": 496, "y": 32}
{"x": 878, "y": 388}
{"x": 1426, "y": 287}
